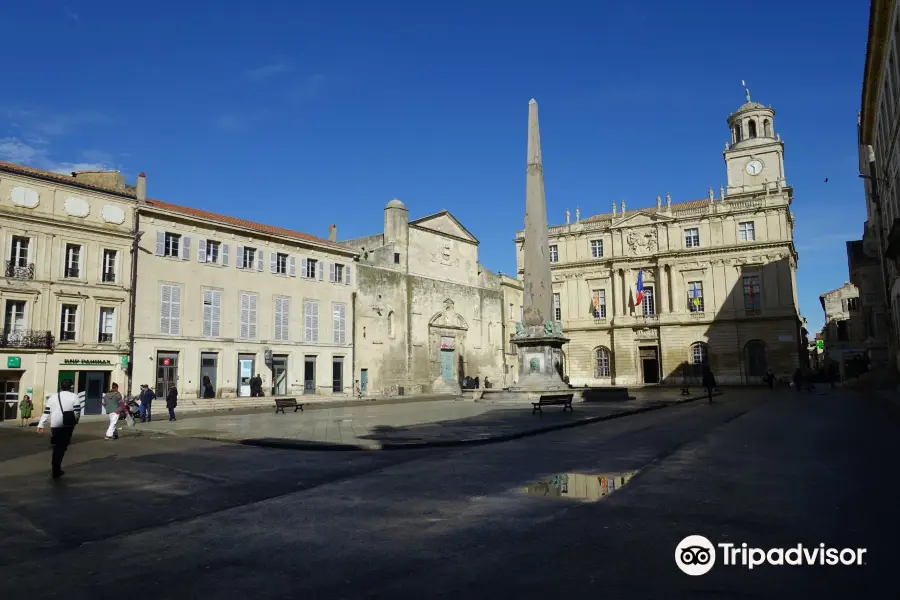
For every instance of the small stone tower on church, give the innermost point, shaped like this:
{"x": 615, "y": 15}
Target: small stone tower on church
{"x": 396, "y": 230}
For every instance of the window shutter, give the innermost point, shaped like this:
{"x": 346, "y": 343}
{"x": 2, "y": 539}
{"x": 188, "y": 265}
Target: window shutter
{"x": 304, "y": 263}
{"x": 245, "y": 316}
{"x": 259, "y": 261}
{"x": 175, "y": 314}
{"x": 215, "y": 329}
{"x": 331, "y": 272}
{"x": 315, "y": 321}
{"x": 207, "y": 313}
{"x": 273, "y": 260}
{"x": 225, "y": 255}
{"x": 320, "y": 270}
{"x": 239, "y": 258}
{"x": 160, "y": 243}
{"x": 347, "y": 274}
{"x": 186, "y": 248}
{"x": 165, "y": 308}
{"x": 201, "y": 251}
{"x": 278, "y": 320}
{"x": 252, "y": 322}
{"x": 292, "y": 266}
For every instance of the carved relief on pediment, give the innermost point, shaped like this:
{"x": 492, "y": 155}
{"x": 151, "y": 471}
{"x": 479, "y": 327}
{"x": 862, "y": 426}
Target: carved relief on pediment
{"x": 642, "y": 241}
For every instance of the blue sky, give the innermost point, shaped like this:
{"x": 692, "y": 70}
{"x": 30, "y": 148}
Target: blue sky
{"x": 309, "y": 113}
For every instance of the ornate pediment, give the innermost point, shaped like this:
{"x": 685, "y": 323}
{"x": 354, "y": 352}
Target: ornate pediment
{"x": 642, "y": 220}
{"x": 448, "y": 318}
{"x": 444, "y": 222}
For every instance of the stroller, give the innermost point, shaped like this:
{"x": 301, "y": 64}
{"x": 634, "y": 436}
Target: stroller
{"x": 129, "y": 410}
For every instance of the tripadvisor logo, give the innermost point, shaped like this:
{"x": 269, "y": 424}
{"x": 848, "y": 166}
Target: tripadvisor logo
{"x": 696, "y": 555}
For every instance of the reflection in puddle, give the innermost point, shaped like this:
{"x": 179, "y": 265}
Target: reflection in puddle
{"x": 581, "y": 486}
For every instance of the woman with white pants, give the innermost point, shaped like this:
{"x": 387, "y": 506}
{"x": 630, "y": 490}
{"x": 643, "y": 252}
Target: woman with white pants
{"x": 112, "y": 401}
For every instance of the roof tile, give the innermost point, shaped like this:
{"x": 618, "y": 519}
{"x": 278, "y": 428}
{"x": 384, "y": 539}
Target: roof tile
{"x": 262, "y": 228}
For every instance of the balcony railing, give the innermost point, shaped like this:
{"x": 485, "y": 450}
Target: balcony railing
{"x": 105, "y": 338}
{"x": 16, "y": 271}
{"x": 109, "y": 277}
{"x": 649, "y": 318}
{"x": 72, "y": 272}
{"x": 37, "y": 340}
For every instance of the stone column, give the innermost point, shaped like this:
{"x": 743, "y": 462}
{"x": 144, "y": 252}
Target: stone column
{"x": 663, "y": 287}
{"x": 538, "y": 295}
{"x": 613, "y": 293}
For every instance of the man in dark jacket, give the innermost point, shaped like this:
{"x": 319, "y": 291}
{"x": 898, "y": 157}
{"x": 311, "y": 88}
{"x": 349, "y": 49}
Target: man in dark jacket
{"x": 709, "y": 381}
{"x": 172, "y": 401}
{"x": 146, "y": 397}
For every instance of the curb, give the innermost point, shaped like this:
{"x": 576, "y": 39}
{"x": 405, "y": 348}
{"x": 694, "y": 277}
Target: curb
{"x": 284, "y": 444}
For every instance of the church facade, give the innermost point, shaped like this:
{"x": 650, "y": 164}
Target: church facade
{"x": 427, "y": 313}
{"x": 649, "y": 295}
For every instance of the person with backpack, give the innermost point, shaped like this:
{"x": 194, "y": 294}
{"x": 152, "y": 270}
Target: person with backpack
{"x": 63, "y": 410}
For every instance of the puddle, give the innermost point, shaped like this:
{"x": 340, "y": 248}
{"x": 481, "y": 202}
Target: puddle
{"x": 581, "y": 486}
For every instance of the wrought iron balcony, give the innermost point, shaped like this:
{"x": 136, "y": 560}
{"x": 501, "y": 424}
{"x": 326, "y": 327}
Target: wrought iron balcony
{"x": 17, "y": 271}
{"x": 106, "y": 338}
{"x": 649, "y": 318}
{"x": 109, "y": 277}
{"x": 28, "y": 338}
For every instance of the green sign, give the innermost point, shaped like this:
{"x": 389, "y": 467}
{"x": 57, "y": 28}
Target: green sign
{"x": 820, "y": 344}
{"x": 124, "y": 362}
{"x": 13, "y": 362}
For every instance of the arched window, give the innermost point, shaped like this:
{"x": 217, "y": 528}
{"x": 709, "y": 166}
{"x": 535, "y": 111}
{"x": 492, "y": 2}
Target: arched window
{"x": 391, "y": 324}
{"x": 603, "y": 363}
{"x": 767, "y": 128}
{"x": 699, "y": 357}
{"x": 737, "y": 133}
{"x": 755, "y": 358}
{"x": 751, "y": 129}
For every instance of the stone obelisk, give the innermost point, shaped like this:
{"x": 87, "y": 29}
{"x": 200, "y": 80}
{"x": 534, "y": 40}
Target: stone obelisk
{"x": 539, "y": 338}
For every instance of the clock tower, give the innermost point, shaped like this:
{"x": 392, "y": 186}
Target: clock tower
{"x": 755, "y": 156}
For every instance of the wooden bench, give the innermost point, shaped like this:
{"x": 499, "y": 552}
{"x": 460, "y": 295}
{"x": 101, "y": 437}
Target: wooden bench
{"x": 283, "y": 403}
{"x": 553, "y": 400}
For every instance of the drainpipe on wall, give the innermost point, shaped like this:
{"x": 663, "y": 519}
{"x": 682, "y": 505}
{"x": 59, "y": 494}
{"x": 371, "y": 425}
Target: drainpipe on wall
{"x": 353, "y": 337}
{"x": 141, "y": 194}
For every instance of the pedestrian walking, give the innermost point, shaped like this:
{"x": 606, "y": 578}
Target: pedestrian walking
{"x": 63, "y": 410}
{"x": 172, "y": 401}
{"x": 25, "y": 408}
{"x": 112, "y": 400}
{"x": 798, "y": 380}
{"x": 770, "y": 379}
{"x": 709, "y": 381}
{"x": 146, "y": 397}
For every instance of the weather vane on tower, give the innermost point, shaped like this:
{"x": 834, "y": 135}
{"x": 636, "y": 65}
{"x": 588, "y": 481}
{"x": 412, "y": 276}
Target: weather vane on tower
{"x": 746, "y": 89}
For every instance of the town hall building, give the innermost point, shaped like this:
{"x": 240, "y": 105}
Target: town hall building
{"x": 648, "y": 295}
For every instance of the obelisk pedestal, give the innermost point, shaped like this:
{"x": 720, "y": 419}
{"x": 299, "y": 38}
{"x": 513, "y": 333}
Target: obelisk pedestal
{"x": 539, "y": 338}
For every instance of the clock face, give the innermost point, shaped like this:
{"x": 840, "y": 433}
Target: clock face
{"x": 754, "y": 167}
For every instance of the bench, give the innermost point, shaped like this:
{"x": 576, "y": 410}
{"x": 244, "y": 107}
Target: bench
{"x": 283, "y": 403}
{"x": 553, "y": 400}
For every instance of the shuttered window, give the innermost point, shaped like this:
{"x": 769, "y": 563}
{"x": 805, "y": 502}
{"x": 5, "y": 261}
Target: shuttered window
{"x": 212, "y": 313}
{"x": 340, "y": 322}
{"x": 248, "y": 316}
{"x": 310, "y": 321}
{"x": 169, "y": 309}
{"x": 282, "y": 318}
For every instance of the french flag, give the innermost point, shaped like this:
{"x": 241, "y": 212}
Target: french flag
{"x": 640, "y": 287}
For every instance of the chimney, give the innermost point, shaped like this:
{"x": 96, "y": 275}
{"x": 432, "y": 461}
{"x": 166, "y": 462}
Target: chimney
{"x": 141, "y": 188}
{"x": 332, "y": 233}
